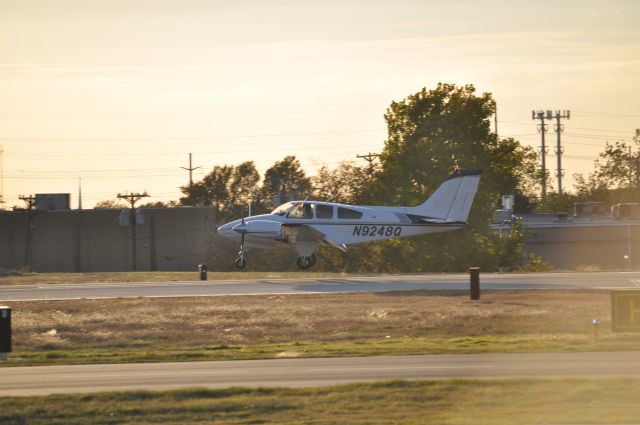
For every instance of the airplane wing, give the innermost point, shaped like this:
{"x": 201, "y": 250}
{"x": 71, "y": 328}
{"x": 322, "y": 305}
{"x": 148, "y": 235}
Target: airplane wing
{"x": 307, "y": 233}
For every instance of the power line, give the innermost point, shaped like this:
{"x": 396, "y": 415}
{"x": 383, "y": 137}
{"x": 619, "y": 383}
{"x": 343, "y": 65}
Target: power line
{"x": 252, "y": 136}
{"x": 597, "y": 129}
{"x": 597, "y": 136}
{"x": 511, "y": 107}
{"x": 581, "y": 157}
{"x": 71, "y": 174}
{"x": 568, "y": 142}
{"x": 584, "y": 113}
{"x": 524, "y": 123}
{"x": 187, "y": 113}
{"x": 146, "y": 154}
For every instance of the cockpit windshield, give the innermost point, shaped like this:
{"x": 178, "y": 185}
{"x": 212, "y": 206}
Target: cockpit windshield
{"x": 282, "y": 209}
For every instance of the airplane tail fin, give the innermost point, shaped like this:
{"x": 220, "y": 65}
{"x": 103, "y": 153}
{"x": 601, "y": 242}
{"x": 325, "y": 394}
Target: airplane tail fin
{"x": 451, "y": 202}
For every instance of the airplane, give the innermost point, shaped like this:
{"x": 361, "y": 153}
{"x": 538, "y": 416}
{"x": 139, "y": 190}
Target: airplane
{"x": 312, "y": 224}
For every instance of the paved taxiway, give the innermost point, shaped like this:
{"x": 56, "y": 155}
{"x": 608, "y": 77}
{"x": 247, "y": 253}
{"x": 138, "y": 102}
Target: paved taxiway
{"x": 39, "y": 380}
{"x": 381, "y": 283}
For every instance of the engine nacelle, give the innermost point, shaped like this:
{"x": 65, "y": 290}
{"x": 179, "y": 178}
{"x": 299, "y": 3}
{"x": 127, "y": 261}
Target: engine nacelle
{"x": 259, "y": 228}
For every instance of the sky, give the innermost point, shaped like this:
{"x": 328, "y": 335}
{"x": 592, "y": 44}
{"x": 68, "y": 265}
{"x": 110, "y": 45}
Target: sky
{"x": 119, "y": 92}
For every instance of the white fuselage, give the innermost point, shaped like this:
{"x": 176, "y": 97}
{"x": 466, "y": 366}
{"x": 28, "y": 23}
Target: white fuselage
{"x": 341, "y": 224}
{"x": 310, "y": 224}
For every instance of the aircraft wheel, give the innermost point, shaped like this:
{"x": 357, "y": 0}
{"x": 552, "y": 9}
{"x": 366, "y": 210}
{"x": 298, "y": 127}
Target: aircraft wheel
{"x": 241, "y": 263}
{"x": 305, "y": 263}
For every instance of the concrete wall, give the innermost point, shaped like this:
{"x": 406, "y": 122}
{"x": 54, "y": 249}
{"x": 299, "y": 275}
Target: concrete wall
{"x": 97, "y": 240}
{"x": 572, "y": 246}
{"x": 177, "y": 238}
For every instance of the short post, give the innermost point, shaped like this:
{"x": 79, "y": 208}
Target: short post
{"x": 5, "y": 332}
{"x": 596, "y": 324}
{"x": 202, "y": 269}
{"x": 474, "y": 281}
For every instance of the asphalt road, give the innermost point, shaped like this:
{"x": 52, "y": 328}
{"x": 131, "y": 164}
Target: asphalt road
{"x": 383, "y": 283}
{"x": 40, "y": 380}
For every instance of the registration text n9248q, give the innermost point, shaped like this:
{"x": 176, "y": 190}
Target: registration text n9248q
{"x": 374, "y": 231}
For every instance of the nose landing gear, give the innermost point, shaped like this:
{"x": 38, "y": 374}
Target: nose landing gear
{"x": 240, "y": 261}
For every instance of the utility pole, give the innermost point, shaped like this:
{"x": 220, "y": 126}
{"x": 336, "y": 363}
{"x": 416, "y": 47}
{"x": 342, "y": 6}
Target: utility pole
{"x": 132, "y": 198}
{"x": 190, "y": 170}
{"x": 370, "y": 157}
{"x": 495, "y": 118}
{"x": 542, "y": 128}
{"x": 79, "y": 193}
{"x": 559, "y": 128}
{"x": 1, "y": 178}
{"x": 637, "y": 161}
{"x": 30, "y": 201}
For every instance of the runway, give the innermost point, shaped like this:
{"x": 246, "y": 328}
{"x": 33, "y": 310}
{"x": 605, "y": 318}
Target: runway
{"x": 382, "y": 283}
{"x": 41, "y": 380}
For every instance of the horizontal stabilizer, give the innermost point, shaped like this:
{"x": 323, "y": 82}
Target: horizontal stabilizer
{"x": 438, "y": 220}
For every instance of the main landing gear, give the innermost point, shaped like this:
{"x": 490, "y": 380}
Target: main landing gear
{"x": 240, "y": 262}
{"x": 305, "y": 263}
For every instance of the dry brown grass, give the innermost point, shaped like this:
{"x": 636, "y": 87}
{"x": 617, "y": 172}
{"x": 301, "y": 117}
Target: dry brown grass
{"x": 251, "y": 320}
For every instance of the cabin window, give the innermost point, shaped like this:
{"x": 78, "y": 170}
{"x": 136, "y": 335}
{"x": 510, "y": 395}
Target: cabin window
{"x": 348, "y": 213}
{"x": 324, "y": 211}
{"x": 282, "y": 209}
{"x": 304, "y": 211}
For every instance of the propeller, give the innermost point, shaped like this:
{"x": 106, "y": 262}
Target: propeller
{"x": 244, "y": 228}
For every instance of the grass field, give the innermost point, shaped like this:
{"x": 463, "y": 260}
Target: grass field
{"x": 459, "y": 402}
{"x": 251, "y": 327}
{"x": 243, "y": 327}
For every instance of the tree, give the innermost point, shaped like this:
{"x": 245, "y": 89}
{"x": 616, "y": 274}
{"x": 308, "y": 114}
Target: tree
{"x": 160, "y": 204}
{"x": 618, "y": 167}
{"x": 347, "y": 184}
{"x": 554, "y": 202}
{"x": 226, "y": 187}
{"x": 429, "y": 133}
{"x": 284, "y": 181}
{"x": 110, "y": 204}
{"x": 616, "y": 177}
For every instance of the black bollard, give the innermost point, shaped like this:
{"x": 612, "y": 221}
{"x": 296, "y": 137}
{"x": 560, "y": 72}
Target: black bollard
{"x": 5, "y": 332}
{"x": 474, "y": 281}
{"x": 202, "y": 269}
